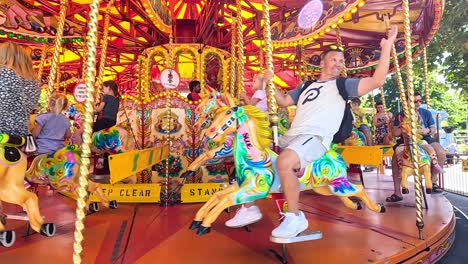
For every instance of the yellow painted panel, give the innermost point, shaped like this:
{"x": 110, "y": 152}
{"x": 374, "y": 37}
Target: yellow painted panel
{"x": 366, "y": 155}
{"x": 465, "y": 166}
{"x": 125, "y": 164}
{"x": 199, "y": 192}
{"x": 130, "y": 193}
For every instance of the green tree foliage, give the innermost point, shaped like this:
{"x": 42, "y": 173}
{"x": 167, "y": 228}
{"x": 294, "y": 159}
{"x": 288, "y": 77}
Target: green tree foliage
{"x": 447, "y": 51}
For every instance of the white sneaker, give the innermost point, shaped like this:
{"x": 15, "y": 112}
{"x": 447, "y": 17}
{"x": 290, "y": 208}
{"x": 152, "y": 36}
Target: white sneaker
{"x": 291, "y": 226}
{"x": 245, "y": 216}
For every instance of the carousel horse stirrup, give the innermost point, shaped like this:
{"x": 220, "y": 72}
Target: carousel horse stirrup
{"x": 307, "y": 235}
{"x": 304, "y": 236}
{"x": 7, "y": 238}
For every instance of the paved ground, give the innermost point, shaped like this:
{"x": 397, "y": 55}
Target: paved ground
{"x": 458, "y": 254}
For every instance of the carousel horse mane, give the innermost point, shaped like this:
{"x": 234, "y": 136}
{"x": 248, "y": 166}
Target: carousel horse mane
{"x": 262, "y": 125}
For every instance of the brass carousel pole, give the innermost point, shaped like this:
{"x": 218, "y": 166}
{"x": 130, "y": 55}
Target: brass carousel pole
{"x": 272, "y": 106}
{"x": 57, "y": 45}
{"x": 414, "y": 118}
{"x": 105, "y": 39}
{"x": 232, "y": 81}
{"x": 426, "y": 84}
{"x": 344, "y": 73}
{"x": 171, "y": 65}
{"x": 87, "y": 127}
{"x": 41, "y": 65}
{"x": 240, "y": 51}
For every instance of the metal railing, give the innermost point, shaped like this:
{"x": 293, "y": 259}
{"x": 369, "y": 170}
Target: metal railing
{"x": 455, "y": 179}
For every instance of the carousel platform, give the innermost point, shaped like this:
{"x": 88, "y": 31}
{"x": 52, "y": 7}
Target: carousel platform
{"x": 149, "y": 233}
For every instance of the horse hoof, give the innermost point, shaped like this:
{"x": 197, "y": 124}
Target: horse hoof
{"x": 7, "y": 238}
{"x": 202, "y": 230}
{"x": 48, "y": 229}
{"x": 94, "y": 207}
{"x": 358, "y": 205}
{"x": 113, "y": 204}
{"x": 195, "y": 224}
{"x": 429, "y": 190}
{"x": 405, "y": 190}
{"x": 382, "y": 208}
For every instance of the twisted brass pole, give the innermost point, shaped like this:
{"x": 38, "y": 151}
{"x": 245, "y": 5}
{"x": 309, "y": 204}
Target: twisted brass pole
{"x": 41, "y": 65}
{"x": 426, "y": 84}
{"x": 88, "y": 120}
{"x": 102, "y": 60}
{"x": 240, "y": 51}
{"x": 415, "y": 154}
{"x": 272, "y": 106}
{"x": 57, "y": 45}
{"x": 232, "y": 81}
{"x": 344, "y": 73}
{"x": 170, "y": 64}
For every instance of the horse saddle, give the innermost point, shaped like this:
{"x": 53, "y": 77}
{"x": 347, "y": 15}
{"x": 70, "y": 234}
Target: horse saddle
{"x": 9, "y": 144}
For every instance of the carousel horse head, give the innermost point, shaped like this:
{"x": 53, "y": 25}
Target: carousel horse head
{"x": 229, "y": 119}
{"x": 209, "y": 105}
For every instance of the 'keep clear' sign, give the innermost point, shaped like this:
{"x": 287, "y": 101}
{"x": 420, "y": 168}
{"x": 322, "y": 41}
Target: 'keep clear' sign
{"x": 80, "y": 92}
{"x": 130, "y": 193}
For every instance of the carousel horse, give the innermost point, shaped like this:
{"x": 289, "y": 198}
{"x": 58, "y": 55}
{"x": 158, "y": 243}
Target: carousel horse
{"x": 60, "y": 170}
{"x": 244, "y": 133}
{"x": 12, "y": 170}
{"x": 406, "y": 165}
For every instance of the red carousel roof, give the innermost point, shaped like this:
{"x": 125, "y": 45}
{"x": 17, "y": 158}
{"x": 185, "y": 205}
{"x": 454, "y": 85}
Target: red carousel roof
{"x": 136, "y": 25}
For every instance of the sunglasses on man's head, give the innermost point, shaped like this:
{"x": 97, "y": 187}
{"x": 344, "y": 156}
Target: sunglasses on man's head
{"x": 335, "y": 47}
{"x": 418, "y": 101}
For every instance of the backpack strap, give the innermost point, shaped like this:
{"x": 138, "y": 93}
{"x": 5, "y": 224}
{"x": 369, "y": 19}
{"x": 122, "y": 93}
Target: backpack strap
{"x": 340, "y": 83}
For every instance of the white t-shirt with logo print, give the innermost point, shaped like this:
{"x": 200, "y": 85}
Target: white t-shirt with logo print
{"x": 320, "y": 109}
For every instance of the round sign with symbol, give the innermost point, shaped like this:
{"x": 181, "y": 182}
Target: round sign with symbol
{"x": 80, "y": 92}
{"x": 170, "y": 79}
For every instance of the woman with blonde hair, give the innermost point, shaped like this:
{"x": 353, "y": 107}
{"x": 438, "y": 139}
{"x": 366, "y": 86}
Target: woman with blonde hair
{"x": 52, "y": 128}
{"x": 19, "y": 89}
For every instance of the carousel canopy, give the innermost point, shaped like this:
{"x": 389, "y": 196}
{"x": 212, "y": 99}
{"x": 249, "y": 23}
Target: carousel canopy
{"x": 300, "y": 30}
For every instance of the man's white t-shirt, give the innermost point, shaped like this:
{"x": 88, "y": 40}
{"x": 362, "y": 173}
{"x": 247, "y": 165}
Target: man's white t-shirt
{"x": 320, "y": 109}
{"x": 262, "y": 104}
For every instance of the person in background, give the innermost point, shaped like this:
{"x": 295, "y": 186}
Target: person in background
{"x": 109, "y": 106}
{"x": 194, "y": 87}
{"x": 52, "y": 128}
{"x": 19, "y": 88}
{"x": 360, "y": 121}
{"x": 381, "y": 121}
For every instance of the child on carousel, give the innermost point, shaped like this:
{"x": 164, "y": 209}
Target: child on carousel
{"x": 51, "y": 129}
{"x": 109, "y": 106}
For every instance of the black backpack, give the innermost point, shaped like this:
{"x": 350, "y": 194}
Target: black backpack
{"x": 346, "y": 125}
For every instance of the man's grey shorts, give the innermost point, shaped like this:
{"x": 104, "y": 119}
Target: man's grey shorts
{"x": 307, "y": 147}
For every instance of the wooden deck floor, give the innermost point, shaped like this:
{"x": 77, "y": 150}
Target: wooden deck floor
{"x": 148, "y": 233}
